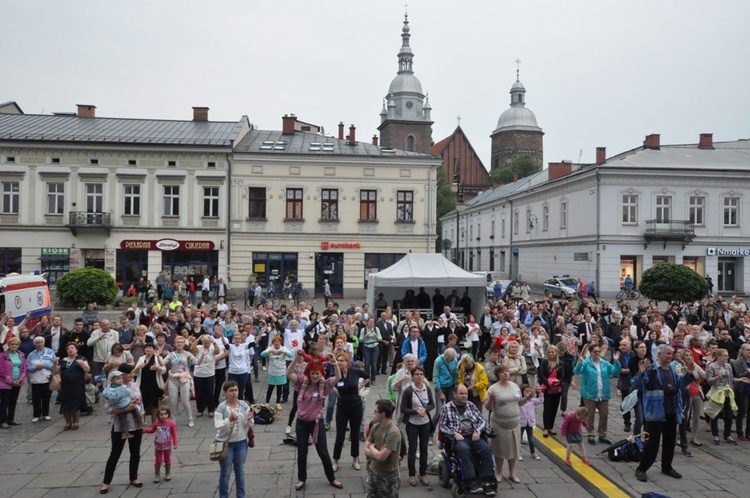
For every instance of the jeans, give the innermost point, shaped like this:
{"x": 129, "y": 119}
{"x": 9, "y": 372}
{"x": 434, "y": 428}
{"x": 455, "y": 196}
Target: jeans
{"x": 305, "y": 430}
{"x": 464, "y": 449}
{"x": 331, "y": 405}
{"x": 286, "y": 386}
{"x": 236, "y": 459}
{"x": 134, "y": 447}
{"x": 181, "y": 389}
{"x": 204, "y": 393}
{"x": 448, "y": 392}
{"x": 371, "y": 361}
{"x": 728, "y": 415}
{"x": 529, "y": 430}
{"x": 421, "y": 433}
{"x": 638, "y": 411}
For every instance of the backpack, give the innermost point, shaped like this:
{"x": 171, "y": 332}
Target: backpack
{"x": 264, "y": 414}
{"x": 629, "y": 450}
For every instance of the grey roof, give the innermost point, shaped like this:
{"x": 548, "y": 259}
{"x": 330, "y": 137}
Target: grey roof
{"x": 46, "y": 128}
{"x": 274, "y": 142}
{"x": 733, "y": 156}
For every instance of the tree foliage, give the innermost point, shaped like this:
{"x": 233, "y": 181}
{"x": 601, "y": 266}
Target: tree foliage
{"x": 86, "y": 285}
{"x": 671, "y": 282}
{"x": 446, "y": 202}
{"x": 522, "y": 165}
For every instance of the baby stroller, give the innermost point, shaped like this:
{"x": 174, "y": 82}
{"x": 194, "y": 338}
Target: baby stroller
{"x": 450, "y": 467}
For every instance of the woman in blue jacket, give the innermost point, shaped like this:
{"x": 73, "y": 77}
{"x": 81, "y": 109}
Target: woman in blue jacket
{"x": 595, "y": 373}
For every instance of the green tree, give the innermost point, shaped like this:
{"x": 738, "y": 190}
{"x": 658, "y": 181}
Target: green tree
{"x": 86, "y": 285}
{"x": 671, "y": 282}
{"x": 523, "y": 166}
{"x": 446, "y": 202}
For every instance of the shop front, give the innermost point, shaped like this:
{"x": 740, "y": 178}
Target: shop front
{"x": 178, "y": 258}
{"x": 272, "y": 268}
{"x": 55, "y": 262}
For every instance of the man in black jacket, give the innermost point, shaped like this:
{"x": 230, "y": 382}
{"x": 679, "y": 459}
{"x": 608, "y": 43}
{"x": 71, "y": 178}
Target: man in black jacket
{"x": 385, "y": 326}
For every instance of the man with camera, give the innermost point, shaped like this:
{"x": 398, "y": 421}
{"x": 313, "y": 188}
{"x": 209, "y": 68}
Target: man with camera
{"x": 662, "y": 409}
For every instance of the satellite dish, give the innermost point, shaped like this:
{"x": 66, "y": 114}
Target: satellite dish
{"x": 447, "y": 244}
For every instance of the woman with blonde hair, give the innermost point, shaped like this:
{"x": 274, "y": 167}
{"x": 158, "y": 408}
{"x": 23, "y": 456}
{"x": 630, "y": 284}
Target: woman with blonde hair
{"x": 472, "y": 375}
{"x": 516, "y": 363}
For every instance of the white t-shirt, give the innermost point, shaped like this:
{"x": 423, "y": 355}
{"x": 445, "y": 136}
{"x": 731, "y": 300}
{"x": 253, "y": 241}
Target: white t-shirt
{"x": 206, "y": 368}
{"x": 473, "y": 332}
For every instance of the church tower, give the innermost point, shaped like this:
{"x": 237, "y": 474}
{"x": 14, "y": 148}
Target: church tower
{"x": 405, "y": 118}
{"x": 517, "y": 132}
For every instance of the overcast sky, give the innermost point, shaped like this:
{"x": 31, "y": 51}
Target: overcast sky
{"x": 596, "y": 73}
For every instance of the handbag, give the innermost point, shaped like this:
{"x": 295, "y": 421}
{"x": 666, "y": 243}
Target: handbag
{"x": 219, "y": 450}
{"x": 54, "y": 382}
{"x": 250, "y": 438}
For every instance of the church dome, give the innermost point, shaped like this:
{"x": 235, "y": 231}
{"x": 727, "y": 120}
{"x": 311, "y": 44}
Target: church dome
{"x": 405, "y": 82}
{"x": 518, "y": 117}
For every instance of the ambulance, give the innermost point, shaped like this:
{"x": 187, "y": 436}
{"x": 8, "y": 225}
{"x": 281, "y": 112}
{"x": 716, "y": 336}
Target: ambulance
{"x": 21, "y": 294}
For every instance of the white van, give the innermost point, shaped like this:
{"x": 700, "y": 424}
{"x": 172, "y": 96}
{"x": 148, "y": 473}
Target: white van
{"x": 21, "y": 294}
{"x": 492, "y": 277}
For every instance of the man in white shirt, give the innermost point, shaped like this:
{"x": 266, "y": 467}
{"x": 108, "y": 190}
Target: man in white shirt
{"x": 206, "y": 289}
{"x": 222, "y": 306}
{"x": 53, "y": 333}
{"x": 294, "y": 338}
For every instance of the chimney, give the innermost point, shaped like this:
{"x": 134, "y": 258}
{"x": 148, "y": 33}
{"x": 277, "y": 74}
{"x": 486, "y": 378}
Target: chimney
{"x": 287, "y": 124}
{"x": 200, "y": 113}
{"x": 341, "y": 130}
{"x": 515, "y": 177}
{"x": 706, "y": 141}
{"x": 601, "y": 155}
{"x": 86, "y": 111}
{"x": 352, "y": 137}
{"x": 558, "y": 170}
{"x": 652, "y": 141}
{"x": 374, "y": 140}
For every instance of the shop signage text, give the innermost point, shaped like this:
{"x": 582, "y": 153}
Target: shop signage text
{"x": 723, "y": 251}
{"x": 55, "y": 251}
{"x": 167, "y": 245}
{"x": 340, "y": 245}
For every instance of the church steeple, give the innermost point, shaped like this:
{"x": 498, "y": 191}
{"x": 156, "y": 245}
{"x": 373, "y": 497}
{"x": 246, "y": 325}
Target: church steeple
{"x": 405, "y": 121}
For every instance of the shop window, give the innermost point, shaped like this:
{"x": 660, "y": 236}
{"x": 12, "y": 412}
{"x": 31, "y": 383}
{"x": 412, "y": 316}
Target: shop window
{"x": 294, "y": 203}
{"x": 329, "y": 204}
{"x": 11, "y": 197}
{"x": 132, "y": 200}
{"x": 368, "y": 205}
{"x": 55, "y": 198}
{"x": 210, "y": 202}
{"x": 405, "y": 205}
{"x": 257, "y": 199}
{"x": 171, "y": 200}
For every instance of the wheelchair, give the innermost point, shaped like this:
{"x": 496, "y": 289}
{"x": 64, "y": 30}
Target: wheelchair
{"x": 451, "y": 468}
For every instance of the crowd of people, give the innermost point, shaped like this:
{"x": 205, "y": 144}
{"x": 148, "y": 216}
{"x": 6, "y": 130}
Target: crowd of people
{"x": 471, "y": 383}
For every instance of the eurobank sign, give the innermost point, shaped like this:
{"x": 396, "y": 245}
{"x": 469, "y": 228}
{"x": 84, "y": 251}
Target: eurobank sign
{"x": 727, "y": 251}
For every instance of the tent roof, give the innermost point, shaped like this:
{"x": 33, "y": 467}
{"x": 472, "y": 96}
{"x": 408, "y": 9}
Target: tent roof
{"x": 426, "y": 270}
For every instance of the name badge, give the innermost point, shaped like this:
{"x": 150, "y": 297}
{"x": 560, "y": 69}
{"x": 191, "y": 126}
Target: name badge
{"x": 340, "y": 384}
{"x": 315, "y": 395}
{"x": 516, "y": 395}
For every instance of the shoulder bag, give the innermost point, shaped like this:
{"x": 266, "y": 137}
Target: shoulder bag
{"x": 219, "y": 450}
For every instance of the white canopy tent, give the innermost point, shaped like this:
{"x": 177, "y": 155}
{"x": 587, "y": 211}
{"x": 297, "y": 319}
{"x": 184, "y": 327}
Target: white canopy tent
{"x": 431, "y": 271}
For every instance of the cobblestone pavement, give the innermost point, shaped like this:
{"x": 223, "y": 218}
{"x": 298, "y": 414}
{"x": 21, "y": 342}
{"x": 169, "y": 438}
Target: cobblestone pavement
{"x": 42, "y": 460}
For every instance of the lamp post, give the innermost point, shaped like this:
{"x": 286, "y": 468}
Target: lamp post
{"x": 459, "y": 207}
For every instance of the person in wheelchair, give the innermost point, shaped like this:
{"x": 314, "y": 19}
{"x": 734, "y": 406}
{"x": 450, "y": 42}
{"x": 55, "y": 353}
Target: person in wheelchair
{"x": 462, "y": 428}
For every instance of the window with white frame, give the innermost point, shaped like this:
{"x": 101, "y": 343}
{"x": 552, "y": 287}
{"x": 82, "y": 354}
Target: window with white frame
{"x": 11, "y": 197}
{"x": 731, "y": 211}
{"x": 94, "y": 197}
{"x": 405, "y": 205}
{"x": 132, "y": 199}
{"x": 545, "y": 217}
{"x": 55, "y": 198}
{"x": 564, "y": 214}
{"x": 329, "y": 204}
{"x": 629, "y": 209}
{"x": 515, "y": 222}
{"x": 696, "y": 204}
{"x": 210, "y": 202}
{"x": 171, "y": 200}
{"x": 663, "y": 208}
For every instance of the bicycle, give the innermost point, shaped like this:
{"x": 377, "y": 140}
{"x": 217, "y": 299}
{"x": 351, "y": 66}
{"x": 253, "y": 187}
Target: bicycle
{"x": 628, "y": 293}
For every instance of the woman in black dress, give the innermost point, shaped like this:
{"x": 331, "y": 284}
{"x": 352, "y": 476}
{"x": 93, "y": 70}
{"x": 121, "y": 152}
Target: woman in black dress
{"x": 430, "y": 334}
{"x": 150, "y": 370}
{"x": 72, "y": 396}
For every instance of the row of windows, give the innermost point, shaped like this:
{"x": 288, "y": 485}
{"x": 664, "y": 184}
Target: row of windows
{"x": 95, "y": 199}
{"x": 329, "y": 204}
{"x": 696, "y": 209}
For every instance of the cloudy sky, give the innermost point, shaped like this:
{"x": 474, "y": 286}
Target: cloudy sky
{"x": 596, "y": 73}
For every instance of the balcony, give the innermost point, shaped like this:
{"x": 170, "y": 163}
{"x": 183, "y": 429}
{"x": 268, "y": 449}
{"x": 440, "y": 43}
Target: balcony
{"x": 81, "y": 220}
{"x": 682, "y": 231}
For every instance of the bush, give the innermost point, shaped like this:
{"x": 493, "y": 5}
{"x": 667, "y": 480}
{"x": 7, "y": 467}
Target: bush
{"x": 86, "y": 285}
{"x": 671, "y": 282}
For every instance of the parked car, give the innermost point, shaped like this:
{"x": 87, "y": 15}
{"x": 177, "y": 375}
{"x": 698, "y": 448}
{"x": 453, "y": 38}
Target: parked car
{"x": 561, "y": 286}
{"x": 492, "y": 277}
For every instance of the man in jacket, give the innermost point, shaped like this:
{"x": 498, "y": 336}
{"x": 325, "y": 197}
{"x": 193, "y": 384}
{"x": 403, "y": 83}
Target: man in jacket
{"x": 662, "y": 409}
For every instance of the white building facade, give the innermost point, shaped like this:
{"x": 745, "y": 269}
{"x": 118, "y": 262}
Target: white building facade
{"x": 317, "y": 208}
{"x": 682, "y": 204}
{"x": 130, "y": 196}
